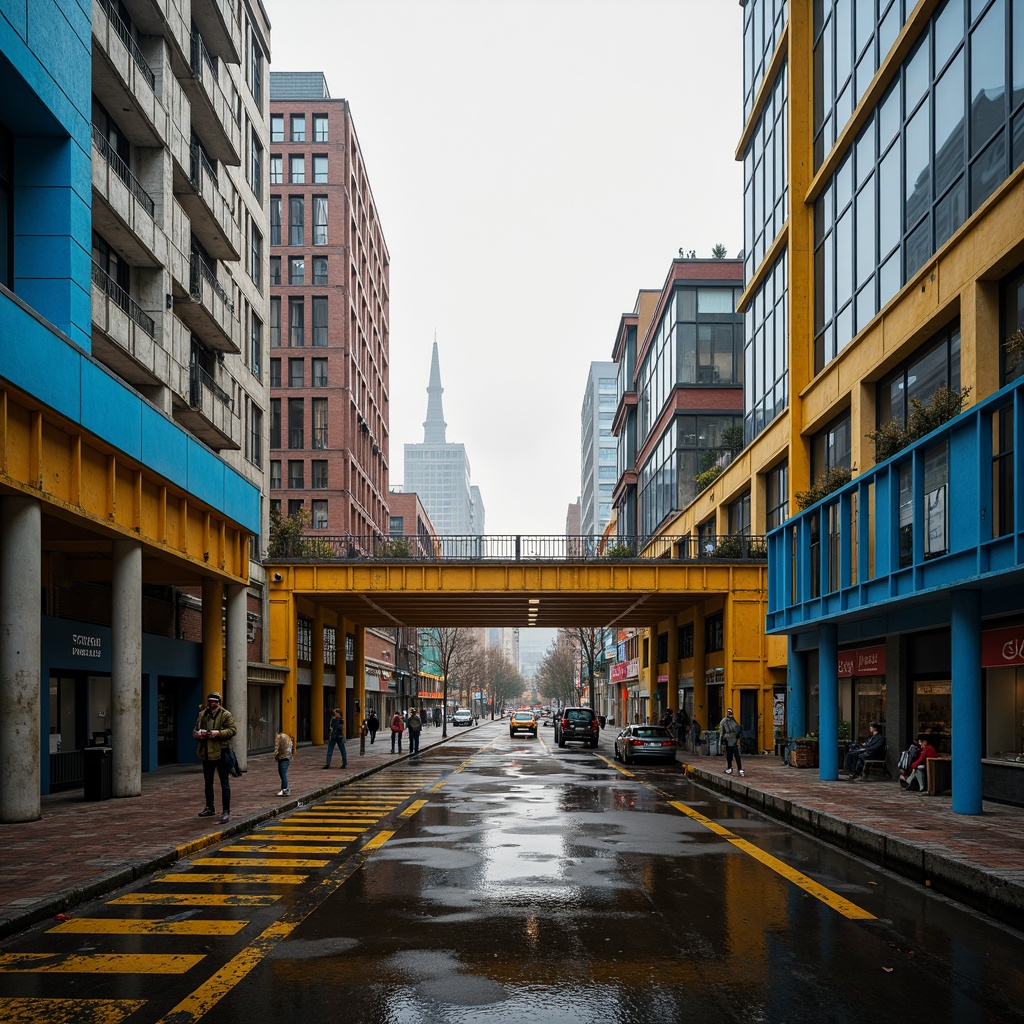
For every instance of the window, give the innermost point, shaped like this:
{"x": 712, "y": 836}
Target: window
{"x": 296, "y": 373}
{"x": 6, "y": 208}
{"x": 255, "y": 436}
{"x": 275, "y": 423}
{"x": 935, "y": 365}
{"x": 318, "y": 474}
{"x": 275, "y": 474}
{"x": 297, "y": 169}
{"x": 396, "y": 526}
{"x": 296, "y": 424}
{"x": 296, "y": 269}
{"x": 319, "y": 127}
{"x": 256, "y": 345}
{"x": 684, "y": 640}
{"x": 830, "y": 448}
{"x": 319, "y": 508}
{"x": 256, "y": 167}
{"x": 276, "y": 169}
{"x": 296, "y": 322}
{"x": 319, "y": 422}
{"x": 296, "y": 479}
{"x": 295, "y": 506}
{"x": 319, "y": 168}
{"x": 739, "y": 516}
{"x": 277, "y": 127}
{"x": 296, "y": 216}
{"x": 275, "y": 316}
{"x": 714, "y": 632}
{"x": 319, "y": 371}
{"x": 275, "y": 271}
{"x": 275, "y": 373}
{"x": 304, "y": 635}
{"x": 275, "y": 220}
{"x": 777, "y": 496}
{"x": 256, "y": 71}
{"x": 256, "y": 256}
{"x": 319, "y": 270}
{"x": 298, "y": 127}
{"x": 319, "y": 220}
{"x": 319, "y": 321}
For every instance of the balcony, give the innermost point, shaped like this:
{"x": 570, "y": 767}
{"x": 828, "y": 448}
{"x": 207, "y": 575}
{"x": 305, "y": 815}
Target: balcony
{"x": 901, "y": 535}
{"x": 209, "y": 211}
{"x": 220, "y": 28}
{"x": 125, "y": 337}
{"x": 214, "y": 115}
{"x": 210, "y": 413}
{"x": 209, "y": 310}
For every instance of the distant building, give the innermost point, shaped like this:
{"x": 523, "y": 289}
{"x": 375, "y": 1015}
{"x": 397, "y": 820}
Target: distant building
{"x": 597, "y": 448}
{"x": 572, "y": 519}
{"x": 329, "y": 445}
{"x": 438, "y": 471}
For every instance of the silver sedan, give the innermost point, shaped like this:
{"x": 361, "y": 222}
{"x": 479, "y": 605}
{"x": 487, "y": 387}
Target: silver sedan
{"x": 645, "y": 742}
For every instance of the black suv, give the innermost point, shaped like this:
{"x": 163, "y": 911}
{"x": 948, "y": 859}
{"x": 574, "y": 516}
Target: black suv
{"x": 576, "y": 724}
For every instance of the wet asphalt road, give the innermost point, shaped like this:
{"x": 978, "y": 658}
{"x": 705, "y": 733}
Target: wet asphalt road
{"x": 500, "y": 879}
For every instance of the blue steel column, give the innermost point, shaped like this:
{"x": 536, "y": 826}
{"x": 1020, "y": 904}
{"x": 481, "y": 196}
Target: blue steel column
{"x": 828, "y": 702}
{"x": 796, "y": 698}
{"x": 965, "y": 641}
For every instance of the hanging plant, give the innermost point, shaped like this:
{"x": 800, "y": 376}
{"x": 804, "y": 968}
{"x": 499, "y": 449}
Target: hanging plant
{"x": 1014, "y": 344}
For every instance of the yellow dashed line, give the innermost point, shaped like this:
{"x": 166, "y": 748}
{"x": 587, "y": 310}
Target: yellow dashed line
{"x": 378, "y": 840}
{"x": 413, "y": 808}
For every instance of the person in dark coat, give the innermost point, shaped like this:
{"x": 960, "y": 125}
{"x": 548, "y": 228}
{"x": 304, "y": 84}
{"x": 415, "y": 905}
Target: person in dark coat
{"x": 372, "y": 724}
{"x": 873, "y": 750}
{"x": 214, "y": 729}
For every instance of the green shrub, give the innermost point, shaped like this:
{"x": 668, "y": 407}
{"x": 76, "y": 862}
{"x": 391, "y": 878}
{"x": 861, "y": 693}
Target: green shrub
{"x": 707, "y": 477}
{"x": 620, "y": 549}
{"x": 728, "y": 547}
{"x": 922, "y": 419}
{"x": 836, "y": 477}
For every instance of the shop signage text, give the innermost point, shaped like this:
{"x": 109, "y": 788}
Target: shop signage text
{"x": 1001, "y": 647}
{"x": 85, "y": 646}
{"x": 862, "y": 661}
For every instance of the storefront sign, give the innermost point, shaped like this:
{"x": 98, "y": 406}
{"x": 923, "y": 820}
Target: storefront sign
{"x": 85, "y": 646}
{"x": 1001, "y": 647}
{"x": 862, "y": 661}
{"x": 624, "y": 670}
{"x": 429, "y": 695}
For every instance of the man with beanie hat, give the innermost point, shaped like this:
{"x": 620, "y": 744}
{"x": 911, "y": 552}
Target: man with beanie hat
{"x": 214, "y": 729}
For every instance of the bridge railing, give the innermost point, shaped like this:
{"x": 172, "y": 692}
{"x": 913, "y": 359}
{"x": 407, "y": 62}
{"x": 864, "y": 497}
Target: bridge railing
{"x": 517, "y": 548}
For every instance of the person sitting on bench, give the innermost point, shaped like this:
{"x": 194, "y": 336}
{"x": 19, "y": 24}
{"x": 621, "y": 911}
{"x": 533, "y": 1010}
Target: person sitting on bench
{"x": 873, "y": 750}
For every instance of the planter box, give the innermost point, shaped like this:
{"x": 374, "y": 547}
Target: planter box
{"x": 804, "y": 755}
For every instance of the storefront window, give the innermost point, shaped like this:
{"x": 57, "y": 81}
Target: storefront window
{"x": 868, "y": 706}
{"x": 1004, "y": 714}
{"x": 932, "y": 714}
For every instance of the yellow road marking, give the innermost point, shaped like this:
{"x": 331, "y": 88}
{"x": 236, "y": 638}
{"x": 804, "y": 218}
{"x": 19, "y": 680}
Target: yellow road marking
{"x": 278, "y": 848}
{"x": 437, "y": 785}
{"x": 258, "y": 862}
{"x": 184, "y": 877}
{"x": 412, "y": 808}
{"x": 123, "y": 926}
{"x": 304, "y": 829}
{"x": 206, "y": 899}
{"x": 102, "y": 963}
{"x": 67, "y": 1011}
{"x": 378, "y": 840}
{"x": 798, "y": 878}
{"x": 618, "y": 767}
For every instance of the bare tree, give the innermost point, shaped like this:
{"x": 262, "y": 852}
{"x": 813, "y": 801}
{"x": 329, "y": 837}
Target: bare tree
{"x": 556, "y": 674}
{"x": 587, "y": 640}
{"x": 454, "y": 644}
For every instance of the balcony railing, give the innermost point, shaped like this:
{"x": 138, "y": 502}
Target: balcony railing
{"x": 202, "y": 60}
{"x": 125, "y": 35}
{"x": 523, "y": 548}
{"x": 200, "y": 272}
{"x": 122, "y": 170}
{"x": 199, "y": 162}
{"x": 200, "y": 379}
{"x": 114, "y": 291}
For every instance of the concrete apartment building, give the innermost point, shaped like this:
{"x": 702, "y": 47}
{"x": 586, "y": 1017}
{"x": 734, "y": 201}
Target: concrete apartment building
{"x": 133, "y": 315}
{"x": 329, "y": 297}
{"x": 598, "y": 473}
{"x": 883, "y": 277}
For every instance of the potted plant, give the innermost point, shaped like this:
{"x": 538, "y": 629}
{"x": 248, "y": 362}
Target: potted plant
{"x": 805, "y": 751}
{"x": 843, "y": 734}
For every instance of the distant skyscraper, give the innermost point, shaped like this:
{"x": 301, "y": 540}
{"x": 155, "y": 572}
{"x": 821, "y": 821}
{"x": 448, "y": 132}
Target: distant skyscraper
{"x": 597, "y": 448}
{"x": 438, "y": 471}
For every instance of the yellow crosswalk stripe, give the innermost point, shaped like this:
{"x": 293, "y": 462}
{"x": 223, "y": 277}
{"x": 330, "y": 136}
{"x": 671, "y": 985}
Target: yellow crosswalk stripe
{"x": 128, "y": 926}
{"x": 378, "y": 840}
{"x": 280, "y": 848}
{"x": 67, "y": 1011}
{"x": 413, "y": 808}
{"x": 101, "y": 963}
{"x": 206, "y": 899}
{"x": 258, "y": 862}
{"x": 183, "y": 877}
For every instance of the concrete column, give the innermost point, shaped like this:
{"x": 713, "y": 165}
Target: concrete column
{"x": 236, "y": 681}
{"x": 213, "y": 638}
{"x": 126, "y": 668}
{"x": 796, "y": 697}
{"x": 672, "y": 688}
{"x": 20, "y": 649}
{"x": 316, "y": 676}
{"x": 359, "y": 682}
{"x": 965, "y": 639}
{"x": 828, "y": 702}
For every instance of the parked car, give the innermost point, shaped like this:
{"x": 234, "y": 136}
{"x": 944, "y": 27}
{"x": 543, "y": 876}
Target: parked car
{"x": 522, "y": 721}
{"x": 645, "y": 742}
{"x": 462, "y": 717}
{"x": 577, "y": 725}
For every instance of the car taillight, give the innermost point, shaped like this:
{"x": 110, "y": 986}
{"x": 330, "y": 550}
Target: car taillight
{"x": 636, "y": 743}
{"x": 565, "y": 723}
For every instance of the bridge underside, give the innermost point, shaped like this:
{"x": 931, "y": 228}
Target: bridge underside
{"x": 616, "y": 595}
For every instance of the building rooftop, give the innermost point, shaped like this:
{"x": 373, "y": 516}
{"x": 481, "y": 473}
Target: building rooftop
{"x": 298, "y": 85}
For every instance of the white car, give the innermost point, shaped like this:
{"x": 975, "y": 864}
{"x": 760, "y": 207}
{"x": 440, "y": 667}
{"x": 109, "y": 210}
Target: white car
{"x": 462, "y": 717}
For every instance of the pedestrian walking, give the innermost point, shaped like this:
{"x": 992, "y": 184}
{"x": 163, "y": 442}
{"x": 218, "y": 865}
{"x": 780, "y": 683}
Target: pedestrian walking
{"x": 337, "y": 739}
{"x": 437, "y": 718}
{"x": 372, "y": 724}
{"x": 682, "y": 728}
{"x": 284, "y": 747}
{"x": 397, "y": 728}
{"x": 414, "y": 725}
{"x": 214, "y": 729}
{"x": 730, "y": 730}
{"x": 695, "y": 731}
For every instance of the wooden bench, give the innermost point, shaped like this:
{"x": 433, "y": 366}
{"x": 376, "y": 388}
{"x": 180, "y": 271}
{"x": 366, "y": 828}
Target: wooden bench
{"x": 940, "y": 774}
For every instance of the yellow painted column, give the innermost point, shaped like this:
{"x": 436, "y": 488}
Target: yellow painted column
{"x": 282, "y": 634}
{"x": 700, "y": 683}
{"x": 672, "y": 687}
{"x": 316, "y": 696}
{"x": 359, "y": 681}
{"x": 213, "y": 636}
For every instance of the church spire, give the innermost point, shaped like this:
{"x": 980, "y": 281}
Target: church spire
{"x": 434, "y": 425}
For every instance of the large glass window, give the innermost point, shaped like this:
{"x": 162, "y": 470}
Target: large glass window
{"x": 6, "y": 208}
{"x": 319, "y": 168}
{"x": 277, "y": 127}
{"x": 319, "y": 373}
{"x": 319, "y": 270}
{"x": 319, "y": 412}
{"x": 275, "y": 423}
{"x": 296, "y": 216}
{"x": 296, "y": 322}
{"x": 766, "y": 352}
{"x": 297, "y": 270}
{"x": 319, "y": 220}
{"x": 275, "y": 321}
{"x": 296, "y": 373}
{"x": 296, "y": 423}
{"x": 298, "y": 127}
{"x": 320, "y": 321}
{"x": 937, "y": 365}
{"x": 776, "y": 496}
{"x": 319, "y": 127}
{"x": 296, "y": 481}
{"x": 275, "y": 220}
{"x": 318, "y": 508}
{"x": 297, "y": 169}
{"x": 830, "y": 447}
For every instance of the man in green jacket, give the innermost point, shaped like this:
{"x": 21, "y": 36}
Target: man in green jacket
{"x": 214, "y": 729}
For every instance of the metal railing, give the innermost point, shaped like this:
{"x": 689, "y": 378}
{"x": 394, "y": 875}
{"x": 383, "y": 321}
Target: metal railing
{"x": 200, "y": 379}
{"x": 201, "y": 56}
{"x": 121, "y": 298}
{"x": 522, "y": 548}
{"x": 199, "y": 162}
{"x": 125, "y": 35}
{"x": 200, "y": 272}
{"x": 122, "y": 170}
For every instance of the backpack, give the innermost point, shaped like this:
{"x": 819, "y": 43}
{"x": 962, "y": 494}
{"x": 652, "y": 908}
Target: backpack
{"x": 908, "y": 757}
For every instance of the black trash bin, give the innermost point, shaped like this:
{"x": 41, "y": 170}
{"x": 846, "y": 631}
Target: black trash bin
{"x": 601, "y": 719}
{"x": 98, "y": 772}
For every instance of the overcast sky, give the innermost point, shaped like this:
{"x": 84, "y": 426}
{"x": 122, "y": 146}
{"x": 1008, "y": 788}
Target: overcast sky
{"x": 535, "y": 163}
